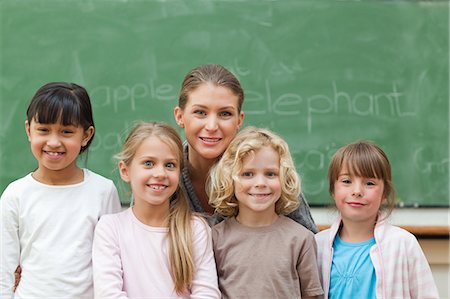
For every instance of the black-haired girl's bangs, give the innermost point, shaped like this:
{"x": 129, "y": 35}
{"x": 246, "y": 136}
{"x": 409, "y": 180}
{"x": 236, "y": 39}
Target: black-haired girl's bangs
{"x": 58, "y": 109}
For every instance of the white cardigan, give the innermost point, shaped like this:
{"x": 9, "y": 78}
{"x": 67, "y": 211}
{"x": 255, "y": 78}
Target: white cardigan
{"x": 402, "y": 271}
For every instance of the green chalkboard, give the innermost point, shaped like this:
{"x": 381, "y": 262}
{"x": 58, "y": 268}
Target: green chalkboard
{"x": 321, "y": 73}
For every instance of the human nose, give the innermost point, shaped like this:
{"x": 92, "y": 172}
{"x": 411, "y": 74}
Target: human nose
{"x": 211, "y": 123}
{"x": 260, "y": 181}
{"x": 357, "y": 189}
{"x": 53, "y": 141}
{"x": 159, "y": 171}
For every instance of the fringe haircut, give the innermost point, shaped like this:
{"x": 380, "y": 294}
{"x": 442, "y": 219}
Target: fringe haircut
{"x": 364, "y": 159}
{"x": 68, "y": 103}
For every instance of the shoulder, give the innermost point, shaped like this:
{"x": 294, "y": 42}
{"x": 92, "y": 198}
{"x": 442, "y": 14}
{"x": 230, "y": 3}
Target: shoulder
{"x": 225, "y": 225}
{"x": 221, "y": 231}
{"x": 323, "y": 236}
{"x": 94, "y": 178}
{"x": 18, "y": 190}
{"x": 102, "y": 190}
{"x": 114, "y": 220}
{"x": 200, "y": 228}
{"x": 199, "y": 224}
{"x": 18, "y": 184}
{"x": 394, "y": 235}
{"x": 289, "y": 225}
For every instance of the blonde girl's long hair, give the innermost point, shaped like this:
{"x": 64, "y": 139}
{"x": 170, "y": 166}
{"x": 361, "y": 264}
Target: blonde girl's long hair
{"x": 220, "y": 184}
{"x": 180, "y": 215}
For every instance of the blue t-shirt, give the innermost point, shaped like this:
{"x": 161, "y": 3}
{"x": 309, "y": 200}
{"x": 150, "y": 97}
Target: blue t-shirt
{"x": 352, "y": 271}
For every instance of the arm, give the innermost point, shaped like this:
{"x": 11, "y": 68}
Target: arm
{"x": 307, "y": 269}
{"x": 420, "y": 278}
{"x": 204, "y": 284}
{"x": 303, "y": 215}
{"x": 10, "y": 244}
{"x": 106, "y": 262}
{"x": 112, "y": 202}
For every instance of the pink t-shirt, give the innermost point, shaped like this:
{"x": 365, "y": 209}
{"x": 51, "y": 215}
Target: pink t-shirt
{"x": 130, "y": 260}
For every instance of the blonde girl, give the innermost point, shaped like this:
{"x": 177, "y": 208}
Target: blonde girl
{"x": 156, "y": 248}
{"x": 260, "y": 253}
{"x": 361, "y": 255}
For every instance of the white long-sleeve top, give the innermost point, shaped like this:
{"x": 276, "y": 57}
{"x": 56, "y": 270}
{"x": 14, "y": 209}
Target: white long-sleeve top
{"x": 130, "y": 260}
{"x": 49, "y": 230}
{"x": 401, "y": 268}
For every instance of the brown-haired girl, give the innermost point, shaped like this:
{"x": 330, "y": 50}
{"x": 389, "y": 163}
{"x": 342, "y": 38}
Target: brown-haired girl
{"x": 361, "y": 255}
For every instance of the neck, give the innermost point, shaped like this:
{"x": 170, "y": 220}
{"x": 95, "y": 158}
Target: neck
{"x": 256, "y": 219}
{"x": 156, "y": 216}
{"x": 198, "y": 173}
{"x": 199, "y": 166}
{"x": 354, "y": 232}
{"x": 67, "y": 176}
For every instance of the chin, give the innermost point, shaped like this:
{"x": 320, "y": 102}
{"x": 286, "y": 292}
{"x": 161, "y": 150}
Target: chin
{"x": 211, "y": 155}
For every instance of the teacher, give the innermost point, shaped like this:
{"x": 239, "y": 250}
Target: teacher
{"x": 210, "y": 112}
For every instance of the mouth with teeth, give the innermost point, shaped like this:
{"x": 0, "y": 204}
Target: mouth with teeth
{"x": 260, "y": 195}
{"x": 157, "y": 187}
{"x": 54, "y": 154}
{"x": 210, "y": 140}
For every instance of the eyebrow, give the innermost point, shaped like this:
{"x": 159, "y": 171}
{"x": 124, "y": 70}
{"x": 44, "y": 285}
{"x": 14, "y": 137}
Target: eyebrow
{"x": 170, "y": 159}
{"x": 221, "y": 108}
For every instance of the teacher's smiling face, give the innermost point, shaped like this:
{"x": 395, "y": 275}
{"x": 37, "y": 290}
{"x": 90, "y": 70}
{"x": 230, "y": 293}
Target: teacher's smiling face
{"x": 210, "y": 118}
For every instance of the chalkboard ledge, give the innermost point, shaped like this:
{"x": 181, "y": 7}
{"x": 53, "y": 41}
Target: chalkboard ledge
{"x": 422, "y": 232}
{"x": 423, "y": 223}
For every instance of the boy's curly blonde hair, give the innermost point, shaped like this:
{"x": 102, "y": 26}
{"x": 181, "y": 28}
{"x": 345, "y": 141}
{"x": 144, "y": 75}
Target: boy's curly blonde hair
{"x": 220, "y": 184}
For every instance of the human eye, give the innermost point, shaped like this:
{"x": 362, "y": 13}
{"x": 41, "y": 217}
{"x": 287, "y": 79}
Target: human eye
{"x": 42, "y": 129}
{"x": 225, "y": 114}
{"x": 247, "y": 174}
{"x": 68, "y": 131}
{"x": 371, "y": 183}
{"x": 271, "y": 174}
{"x": 199, "y": 112}
{"x": 345, "y": 181}
{"x": 148, "y": 163}
{"x": 171, "y": 165}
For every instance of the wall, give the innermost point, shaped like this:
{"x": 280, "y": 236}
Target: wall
{"x": 321, "y": 73}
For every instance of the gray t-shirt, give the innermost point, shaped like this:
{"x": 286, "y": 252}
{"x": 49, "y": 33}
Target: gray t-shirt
{"x": 302, "y": 215}
{"x": 276, "y": 261}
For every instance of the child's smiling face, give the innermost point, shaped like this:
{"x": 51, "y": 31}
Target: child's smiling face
{"x": 258, "y": 187}
{"x": 153, "y": 174}
{"x": 56, "y": 146}
{"x": 357, "y": 198}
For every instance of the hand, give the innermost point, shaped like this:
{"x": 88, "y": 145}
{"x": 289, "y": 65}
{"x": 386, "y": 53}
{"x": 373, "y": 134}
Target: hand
{"x": 17, "y": 276}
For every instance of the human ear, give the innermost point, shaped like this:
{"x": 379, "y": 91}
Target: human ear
{"x": 27, "y": 129}
{"x": 123, "y": 170}
{"x": 87, "y": 135}
{"x": 178, "y": 115}
{"x": 240, "y": 120}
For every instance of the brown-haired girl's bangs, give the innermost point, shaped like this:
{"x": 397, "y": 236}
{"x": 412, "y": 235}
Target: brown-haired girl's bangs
{"x": 364, "y": 162}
